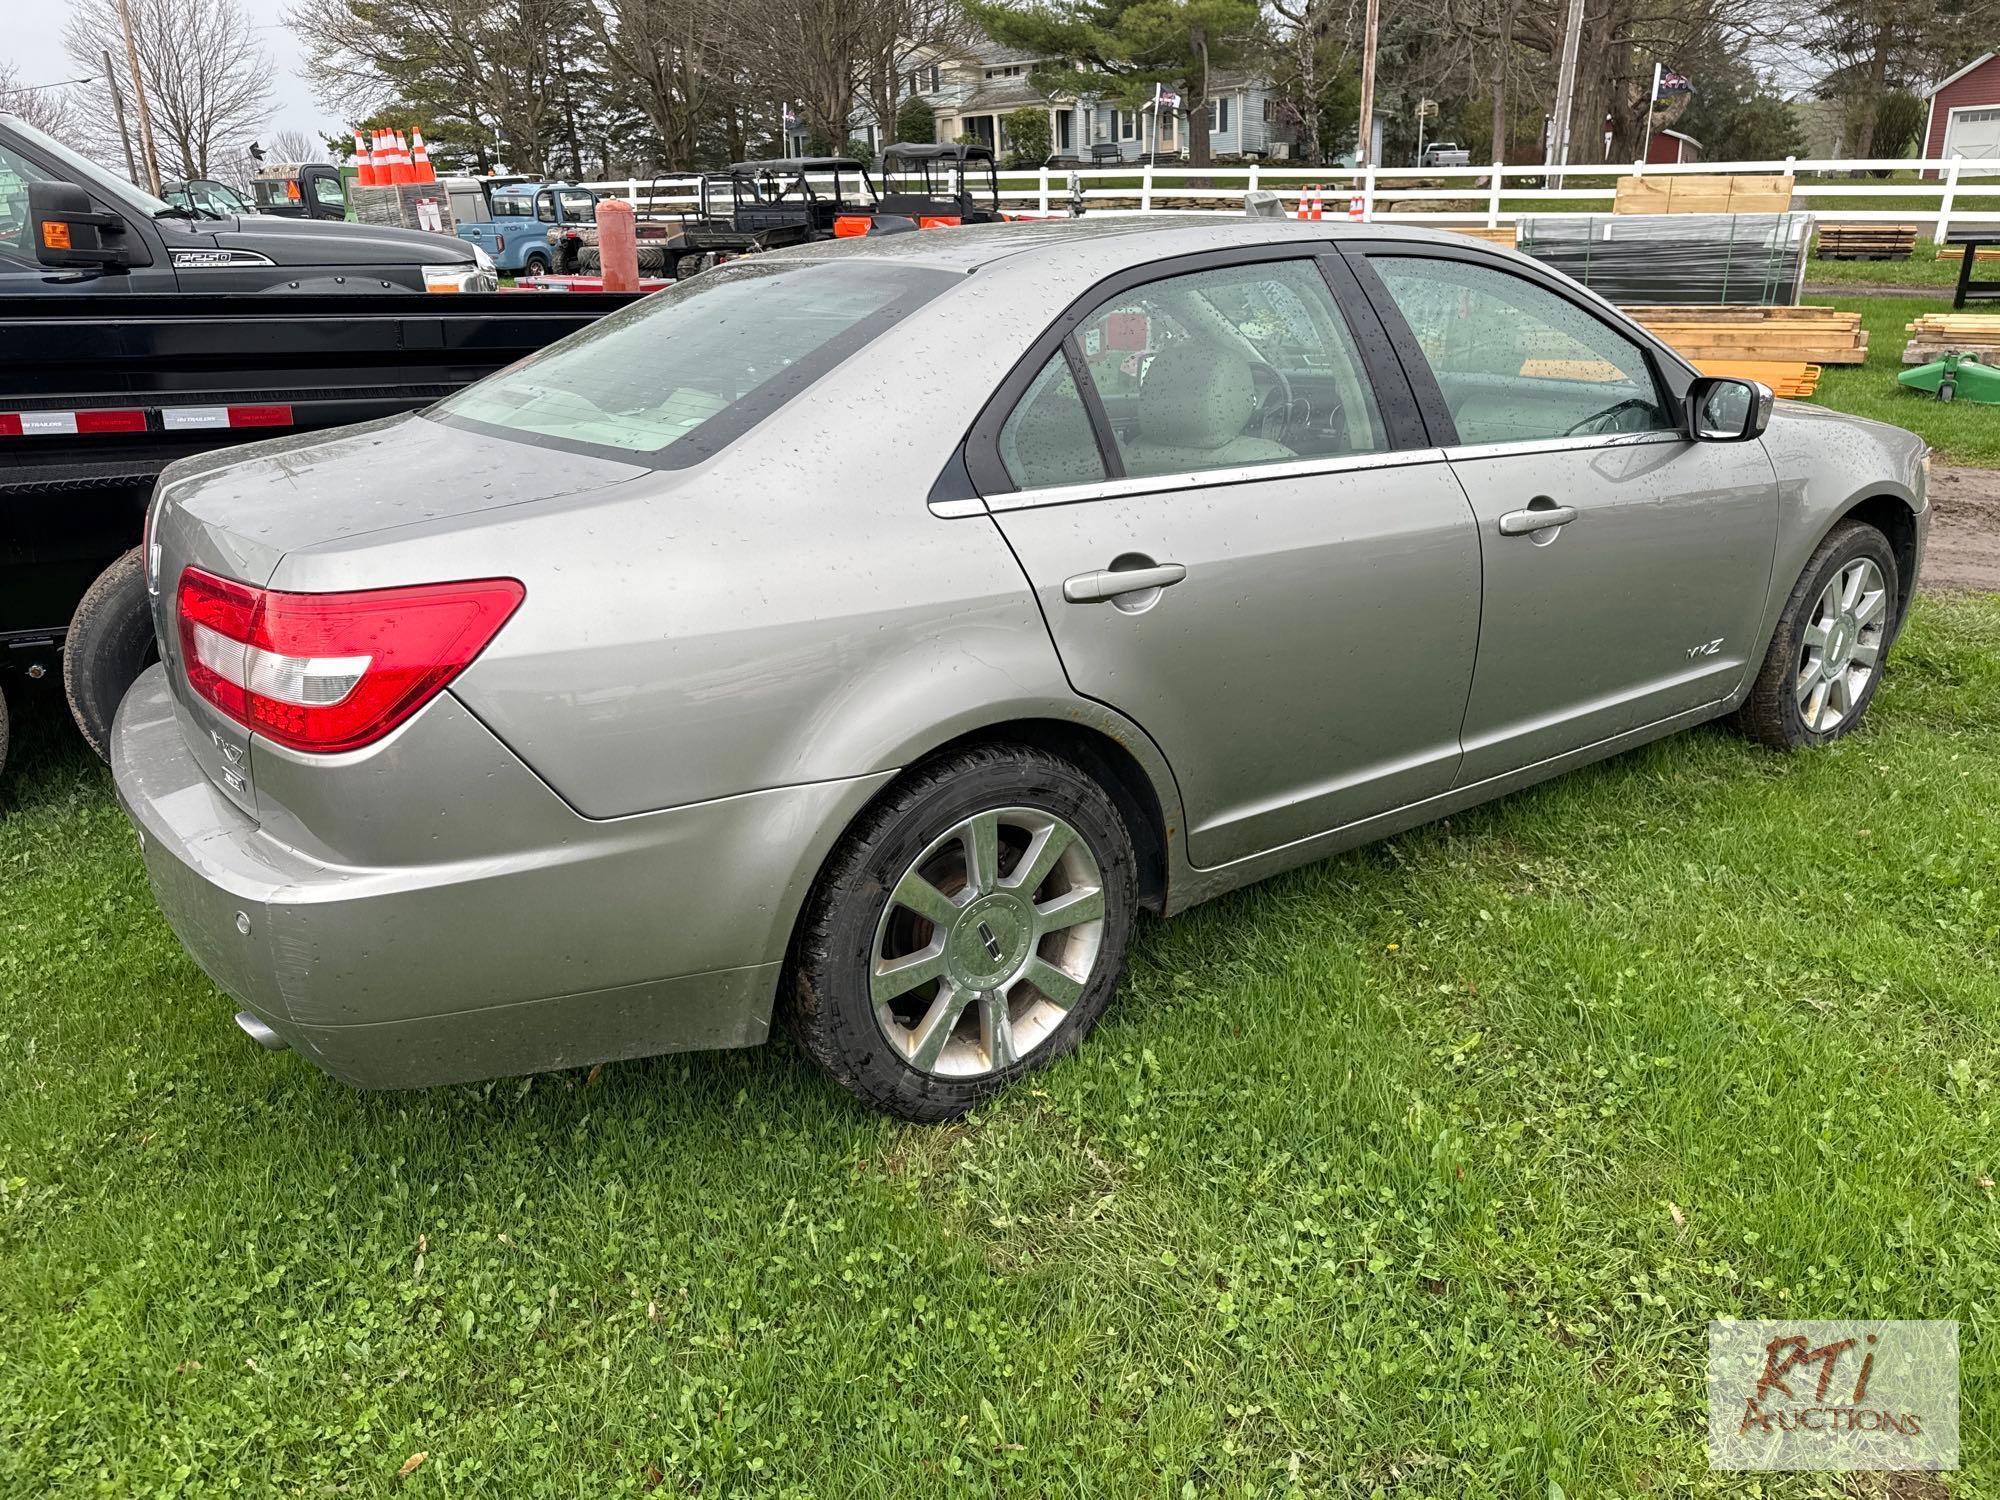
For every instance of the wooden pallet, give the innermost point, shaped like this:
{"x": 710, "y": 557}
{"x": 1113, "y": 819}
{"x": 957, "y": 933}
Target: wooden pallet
{"x": 1957, "y": 252}
{"x": 1934, "y": 335}
{"x": 1507, "y": 234}
{"x": 1815, "y": 335}
{"x": 1784, "y": 377}
{"x": 1674, "y": 194}
{"x": 1867, "y": 241}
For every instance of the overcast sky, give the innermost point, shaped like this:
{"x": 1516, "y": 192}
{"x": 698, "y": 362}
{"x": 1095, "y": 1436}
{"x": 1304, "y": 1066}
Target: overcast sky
{"x": 31, "y": 38}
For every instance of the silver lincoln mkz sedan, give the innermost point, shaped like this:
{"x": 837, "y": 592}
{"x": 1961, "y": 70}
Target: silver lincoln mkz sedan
{"x": 867, "y": 633}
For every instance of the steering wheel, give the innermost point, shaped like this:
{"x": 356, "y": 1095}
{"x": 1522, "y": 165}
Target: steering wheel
{"x": 1274, "y": 401}
{"x": 1607, "y": 420}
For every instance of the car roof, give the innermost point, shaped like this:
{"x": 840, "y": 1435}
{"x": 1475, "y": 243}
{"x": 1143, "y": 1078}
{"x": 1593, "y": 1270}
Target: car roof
{"x": 1139, "y": 238}
{"x": 947, "y": 151}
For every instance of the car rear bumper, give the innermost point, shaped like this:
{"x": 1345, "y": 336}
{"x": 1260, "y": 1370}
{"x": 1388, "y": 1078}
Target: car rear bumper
{"x": 620, "y": 938}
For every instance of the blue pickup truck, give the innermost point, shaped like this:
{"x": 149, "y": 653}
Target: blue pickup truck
{"x": 529, "y": 228}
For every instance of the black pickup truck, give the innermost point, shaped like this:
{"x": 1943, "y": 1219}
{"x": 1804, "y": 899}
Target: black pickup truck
{"x": 133, "y": 333}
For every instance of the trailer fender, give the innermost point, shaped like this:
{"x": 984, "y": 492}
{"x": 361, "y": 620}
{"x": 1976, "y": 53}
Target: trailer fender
{"x": 110, "y": 642}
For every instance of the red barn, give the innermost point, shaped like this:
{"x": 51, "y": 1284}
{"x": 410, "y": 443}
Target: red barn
{"x": 1964, "y": 118}
{"x": 1671, "y": 147}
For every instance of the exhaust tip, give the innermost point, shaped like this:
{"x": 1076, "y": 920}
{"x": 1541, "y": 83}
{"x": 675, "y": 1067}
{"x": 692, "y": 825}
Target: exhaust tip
{"x": 261, "y": 1034}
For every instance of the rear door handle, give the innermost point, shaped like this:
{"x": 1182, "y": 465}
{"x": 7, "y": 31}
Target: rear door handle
{"x": 1113, "y": 583}
{"x": 1527, "y": 522}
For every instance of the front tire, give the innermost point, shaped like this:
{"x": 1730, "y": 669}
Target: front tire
{"x": 536, "y": 264}
{"x": 970, "y": 928}
{"x": 1831, "y": 644}
{"x": 109, "y": 643}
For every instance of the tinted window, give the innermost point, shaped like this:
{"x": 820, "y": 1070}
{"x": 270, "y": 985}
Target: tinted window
{"x": 1219, "y": 369}
{"x": 327, "y": 191}
{"x": 17, "y": 245}
{"x": 1517, "y": 362}
{"x": 677, "y": 376}
{"x": 1047, "y": 439}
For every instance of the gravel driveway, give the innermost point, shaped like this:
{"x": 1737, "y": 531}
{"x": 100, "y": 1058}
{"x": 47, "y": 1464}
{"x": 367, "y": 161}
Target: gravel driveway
{"x": 1964, "y": 550}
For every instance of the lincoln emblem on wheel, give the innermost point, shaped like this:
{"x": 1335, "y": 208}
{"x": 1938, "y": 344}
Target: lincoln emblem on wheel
{"x": 635, "y": 698}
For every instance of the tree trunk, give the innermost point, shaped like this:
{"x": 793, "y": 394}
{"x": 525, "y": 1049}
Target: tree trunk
{"x": 1502, "y": 51}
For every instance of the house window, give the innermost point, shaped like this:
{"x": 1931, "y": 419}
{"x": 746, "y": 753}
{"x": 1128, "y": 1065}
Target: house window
{"x": 1218, "y": 115}
{"x": 1270, "y": 111}
{"x": 935, "y": 83}
{"x": 1128, "y": 125}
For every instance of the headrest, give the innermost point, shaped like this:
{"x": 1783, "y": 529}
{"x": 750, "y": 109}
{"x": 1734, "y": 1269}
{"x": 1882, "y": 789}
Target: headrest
{"x": 1196, "y": 395}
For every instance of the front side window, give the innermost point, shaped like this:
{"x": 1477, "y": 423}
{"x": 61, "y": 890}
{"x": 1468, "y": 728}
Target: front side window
{"x": 545, "y": 207}
{"x": 1515, "y": 361}
{"x": 679, "y": 375}
{"x": 579, "y": 206}
{"x": 327, "y": 191}
{"x": 1218, "y": 369}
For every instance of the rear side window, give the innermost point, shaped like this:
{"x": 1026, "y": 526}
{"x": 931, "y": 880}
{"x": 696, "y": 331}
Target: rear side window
{"x": 679, "y": 375}
{"x": 1515, "y": 361}
{"x": 1047, "y": 439}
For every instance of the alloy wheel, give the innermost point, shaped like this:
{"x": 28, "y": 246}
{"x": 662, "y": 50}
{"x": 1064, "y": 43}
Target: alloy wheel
{"x": 986, "y": 941}
{"x": 1841, "y": 648}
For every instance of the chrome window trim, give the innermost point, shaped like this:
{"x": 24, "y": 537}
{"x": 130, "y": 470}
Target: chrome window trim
{"x": 1464, "y": 452}
{"x": 1202, "y": 479}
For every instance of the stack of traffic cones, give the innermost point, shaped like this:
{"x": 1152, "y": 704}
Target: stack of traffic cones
{"x": 390, "y": 161}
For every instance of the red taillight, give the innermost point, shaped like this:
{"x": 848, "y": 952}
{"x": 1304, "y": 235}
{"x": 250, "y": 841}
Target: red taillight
{"x": 326, "y": 672}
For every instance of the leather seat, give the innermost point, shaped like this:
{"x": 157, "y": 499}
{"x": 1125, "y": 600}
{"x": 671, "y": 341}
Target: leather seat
{"x": 1196, "y": 401}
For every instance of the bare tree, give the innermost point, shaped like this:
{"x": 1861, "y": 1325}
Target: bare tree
{"x": 48, "y": 109}
{"x": 207, "y": 78}
{"x": 682, "y": 58}
{"x": 293, "y": 145}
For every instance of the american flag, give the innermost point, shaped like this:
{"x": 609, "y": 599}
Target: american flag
{"x": 1675, "y": 83}
{"x": 1167, "y": 98}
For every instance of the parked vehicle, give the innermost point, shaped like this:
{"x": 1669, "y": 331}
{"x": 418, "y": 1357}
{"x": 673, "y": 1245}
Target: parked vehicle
{"x": 299, "y": 190}
{"x": 756, "y": 206}
{"x": 161, "y": 332}
{"x": 1445, "y": 154}
{"x": 639, "y": 691}
{"x": 214, "y": 199}
{"x": 941, "y": 185}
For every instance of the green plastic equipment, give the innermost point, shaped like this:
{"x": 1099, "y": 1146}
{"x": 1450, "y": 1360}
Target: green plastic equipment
{"x": 1956, "y": 377}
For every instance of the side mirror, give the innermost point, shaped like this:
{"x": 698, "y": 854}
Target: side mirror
{"x": 70, "y": 233}
{"x": 1722, "y": 409}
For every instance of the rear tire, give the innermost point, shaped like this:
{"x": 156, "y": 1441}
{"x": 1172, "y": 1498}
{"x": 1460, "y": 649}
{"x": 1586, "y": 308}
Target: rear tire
{"x": 110, "y": 642}
{"x": 1027, "y": 870}
{"x": 537, "y": 264}
{"x": 1831, "y": 644}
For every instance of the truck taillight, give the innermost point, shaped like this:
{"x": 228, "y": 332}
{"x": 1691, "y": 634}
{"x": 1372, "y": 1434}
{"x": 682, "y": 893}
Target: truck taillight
{"x": 327, "y": 672}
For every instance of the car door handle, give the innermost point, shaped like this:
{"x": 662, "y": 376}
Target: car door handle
{"x": 1113, "y": 583}
{"x": 1527, "y": 522}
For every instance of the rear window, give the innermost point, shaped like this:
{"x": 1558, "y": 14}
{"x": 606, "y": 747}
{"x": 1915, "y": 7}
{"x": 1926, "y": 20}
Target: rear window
{"x": 678, "y": 376}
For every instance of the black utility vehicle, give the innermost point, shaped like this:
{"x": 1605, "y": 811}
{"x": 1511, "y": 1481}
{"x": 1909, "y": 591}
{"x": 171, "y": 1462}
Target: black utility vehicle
{"x": 767, "y": 205}
{"x": 943, "y": 184}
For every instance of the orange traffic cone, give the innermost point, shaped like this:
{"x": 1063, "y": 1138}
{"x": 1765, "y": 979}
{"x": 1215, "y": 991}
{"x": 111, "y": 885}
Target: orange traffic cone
{"x": 1311, "y": 205}
{"x": 420, "y": 158}
{"x": 364, "y": 165}
{"x": 404, "y": 171}
{"x": 1356, "y": 207}
{"x": 382, "y": 157}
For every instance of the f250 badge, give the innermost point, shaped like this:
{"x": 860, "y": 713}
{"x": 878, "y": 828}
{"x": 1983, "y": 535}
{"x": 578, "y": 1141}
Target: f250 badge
{"x": 1708, "y": 648}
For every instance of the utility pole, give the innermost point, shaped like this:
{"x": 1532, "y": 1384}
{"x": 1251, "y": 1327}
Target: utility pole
{"x": 1558, "y": 154}
{"x": 146, "y": 145}
{"x": 118, "y": 113}
{"x": 1363, "y": 152}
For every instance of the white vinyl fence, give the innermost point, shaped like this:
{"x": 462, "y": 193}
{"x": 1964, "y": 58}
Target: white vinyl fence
{"x": 1834, "y": 192}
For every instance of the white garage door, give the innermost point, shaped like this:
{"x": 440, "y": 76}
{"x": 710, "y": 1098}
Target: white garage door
{"x": 1974, "y": 133}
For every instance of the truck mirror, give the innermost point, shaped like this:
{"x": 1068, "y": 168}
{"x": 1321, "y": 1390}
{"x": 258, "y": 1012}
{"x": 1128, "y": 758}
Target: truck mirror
{"x": 70, "y": 233}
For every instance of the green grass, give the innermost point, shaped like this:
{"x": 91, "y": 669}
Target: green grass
{"x": 1962, "y": 432}
{"x": 1923, "y": 268}
{"x": 1367, "y": 1186}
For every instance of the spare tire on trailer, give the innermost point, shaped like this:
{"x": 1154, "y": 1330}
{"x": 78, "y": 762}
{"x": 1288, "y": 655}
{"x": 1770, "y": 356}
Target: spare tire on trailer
{"x": 589, "y": 262}
{"x": 110, "y": 642}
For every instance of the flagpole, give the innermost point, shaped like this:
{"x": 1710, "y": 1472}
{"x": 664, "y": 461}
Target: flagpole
{"x": 1652, "y": 106}
{"x": 1156, "y": 122}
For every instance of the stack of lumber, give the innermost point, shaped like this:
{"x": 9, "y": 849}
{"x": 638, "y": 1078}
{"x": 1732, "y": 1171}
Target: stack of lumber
{"x": 1784, "y": 377}
{"x": 1957, "y": 252}
{"x": 1867, "y": 241}
{"x": 1675, "y": 194}
{"x": 1820, "y": 335}
{"x": 1506, "y": 234}
{"x": 1935, "y": 335}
